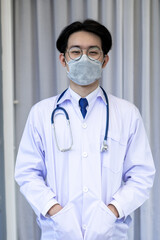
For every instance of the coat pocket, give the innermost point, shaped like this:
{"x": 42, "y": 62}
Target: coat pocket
{"x": 65, "y": 224}
{"x": 113, "y": 159}
{"x": 101, "y": 224}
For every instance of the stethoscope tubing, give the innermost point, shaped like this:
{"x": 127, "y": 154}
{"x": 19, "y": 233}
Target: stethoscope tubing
{"x": 56, "y": 109}
{"x": 104, "y": 146}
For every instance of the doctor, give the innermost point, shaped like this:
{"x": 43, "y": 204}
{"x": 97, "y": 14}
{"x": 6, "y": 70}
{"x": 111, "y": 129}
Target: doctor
{"x": 76, "y": 190}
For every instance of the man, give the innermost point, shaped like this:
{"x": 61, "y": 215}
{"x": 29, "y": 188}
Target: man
{"x": 84, "y": 182}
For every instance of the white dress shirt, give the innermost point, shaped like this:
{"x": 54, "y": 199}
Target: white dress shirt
{"x": 84, "y": 180}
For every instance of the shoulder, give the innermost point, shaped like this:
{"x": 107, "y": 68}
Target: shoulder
{"x": 127, "y": 125}
{"x": 45, "y": 103}
{"x": 124, "y": 118}
{"x": 122, "y": 107}
{"x": 43, "y": 109}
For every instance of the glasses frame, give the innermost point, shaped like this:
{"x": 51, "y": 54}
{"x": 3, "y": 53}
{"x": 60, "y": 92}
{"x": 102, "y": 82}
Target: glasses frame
{"x": 77, "y": 59}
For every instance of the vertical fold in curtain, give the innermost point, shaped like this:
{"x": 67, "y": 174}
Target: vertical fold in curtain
{"x": 128, "y": 50}
{"x": 146, "y": 101}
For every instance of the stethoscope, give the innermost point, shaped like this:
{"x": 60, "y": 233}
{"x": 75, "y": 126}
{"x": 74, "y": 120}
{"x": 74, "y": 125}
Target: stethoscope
{"x": 104, "y": 147}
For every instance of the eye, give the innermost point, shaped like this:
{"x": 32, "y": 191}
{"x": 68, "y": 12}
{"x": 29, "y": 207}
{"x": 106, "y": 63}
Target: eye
{"x": 93, "y": 52}
{"x": 75, "y": 51}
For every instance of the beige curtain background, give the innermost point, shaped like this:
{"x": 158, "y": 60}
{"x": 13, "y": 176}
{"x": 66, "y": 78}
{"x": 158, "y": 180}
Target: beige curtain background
{"x": 132, "y": 73}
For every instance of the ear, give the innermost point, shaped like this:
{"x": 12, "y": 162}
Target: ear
{"x": 62, "y": 59}
{"x": 106, "y": 59}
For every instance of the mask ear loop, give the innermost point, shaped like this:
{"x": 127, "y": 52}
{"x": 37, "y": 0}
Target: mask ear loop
{"x": 65, "y": 59}
{"x": 66, "y": 62}
{"x": 103, "y": 60}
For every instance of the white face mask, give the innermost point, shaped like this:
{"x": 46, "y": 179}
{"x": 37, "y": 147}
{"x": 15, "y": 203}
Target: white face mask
{"x": 84, "y": 71}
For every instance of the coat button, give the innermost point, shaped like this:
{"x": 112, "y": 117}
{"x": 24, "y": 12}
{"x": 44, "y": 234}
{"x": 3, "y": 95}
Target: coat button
{"x": 84, "y": 125}
{"x": 85, "y": 189}
{"x": 84, "y": 226}
{"x": 85, "y": 154}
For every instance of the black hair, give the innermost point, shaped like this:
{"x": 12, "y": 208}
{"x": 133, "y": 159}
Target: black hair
{"x": 89, "y": 26}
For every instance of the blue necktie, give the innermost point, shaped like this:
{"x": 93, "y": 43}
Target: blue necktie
{"x": 83, "y": 103}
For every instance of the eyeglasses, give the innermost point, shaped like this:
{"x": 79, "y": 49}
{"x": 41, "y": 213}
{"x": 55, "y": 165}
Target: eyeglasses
{"x": 93, "y": 53}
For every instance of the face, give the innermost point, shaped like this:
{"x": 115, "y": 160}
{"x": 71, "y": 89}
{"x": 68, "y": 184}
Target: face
{"x": 84, "y": 40}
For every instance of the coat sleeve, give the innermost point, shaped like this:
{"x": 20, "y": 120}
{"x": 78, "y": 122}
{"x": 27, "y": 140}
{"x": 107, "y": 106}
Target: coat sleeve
{"x": 30, "y": 169}
{"x": 138, "y": 169}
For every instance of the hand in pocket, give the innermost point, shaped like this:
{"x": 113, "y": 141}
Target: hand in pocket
{"x": 54, "y": 209}
{"x": 66, "y": 225}
{"x": 101, "y": 224}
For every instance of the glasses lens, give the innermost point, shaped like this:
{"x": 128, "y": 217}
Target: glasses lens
{"x": 94, "y": 53}
{"x": 75, "y": 53}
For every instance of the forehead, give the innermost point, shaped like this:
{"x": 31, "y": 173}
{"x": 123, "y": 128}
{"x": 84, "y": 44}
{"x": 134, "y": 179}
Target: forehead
{"x": 84, "y": 39}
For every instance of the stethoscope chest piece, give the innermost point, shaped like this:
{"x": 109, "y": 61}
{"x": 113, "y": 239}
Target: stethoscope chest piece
{"x": 104, "y": 147}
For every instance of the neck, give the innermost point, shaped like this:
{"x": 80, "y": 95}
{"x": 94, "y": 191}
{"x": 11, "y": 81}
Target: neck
{"x": 83, "y": 91}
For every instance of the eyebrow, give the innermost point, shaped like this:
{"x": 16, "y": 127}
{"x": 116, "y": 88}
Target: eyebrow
{"x": 78, "y": 46}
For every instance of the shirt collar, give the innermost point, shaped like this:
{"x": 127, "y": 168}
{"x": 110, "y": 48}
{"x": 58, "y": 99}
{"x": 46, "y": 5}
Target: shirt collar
{"x": 89, "y": 97}
{"x": 66, "y": 96}
{"x": 71, "y": 95}
{"x": 101, "y": 95}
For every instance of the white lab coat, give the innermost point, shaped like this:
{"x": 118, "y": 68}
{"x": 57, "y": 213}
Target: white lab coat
{"x": 84, "y": 180}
